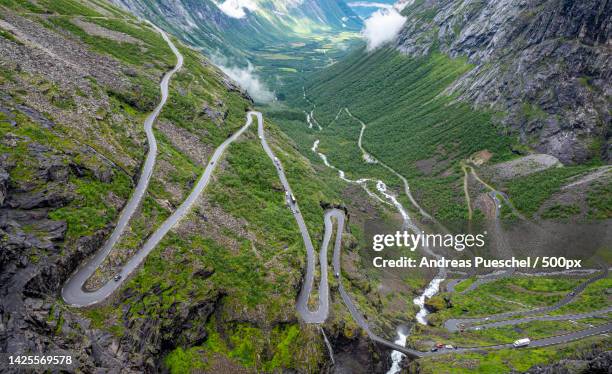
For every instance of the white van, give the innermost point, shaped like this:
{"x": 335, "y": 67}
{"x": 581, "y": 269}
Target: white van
{"x": 521, "y": 343}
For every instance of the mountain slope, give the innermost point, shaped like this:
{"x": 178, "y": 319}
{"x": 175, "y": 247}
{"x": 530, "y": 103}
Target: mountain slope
{"x": 484, "y": 81}
{"x": 77, "y": 80}
{"x": 546, "y": 64}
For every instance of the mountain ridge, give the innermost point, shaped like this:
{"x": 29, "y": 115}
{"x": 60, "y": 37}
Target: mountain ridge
{"x": 546, "y": 64}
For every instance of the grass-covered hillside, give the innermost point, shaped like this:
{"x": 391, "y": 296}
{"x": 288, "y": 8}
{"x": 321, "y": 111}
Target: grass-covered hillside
{"x": 411, "y": 125}
{"x": 77, "y": 79}
{"x": 416, "y": 126}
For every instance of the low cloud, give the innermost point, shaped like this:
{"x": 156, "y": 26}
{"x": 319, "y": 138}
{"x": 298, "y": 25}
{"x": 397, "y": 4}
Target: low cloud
{"x": 246, "y": 78}
{"x": 236, "y": 8}
{"x": 382, "y": 27}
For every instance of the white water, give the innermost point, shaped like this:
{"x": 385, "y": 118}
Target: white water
{"x": 315, "y": 146}
{"x": 396, "y": 356}
{"x": 328, "y": 344}
{"x": 432, "y": 289}
{"x": 361, "y": 182}
{"x": 434, "y": 285}
{"x": 308, "y": 120}
{"x": 382, "y": 188}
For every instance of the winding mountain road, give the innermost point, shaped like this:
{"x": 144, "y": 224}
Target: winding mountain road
{"x": 73, "y": 292}
{"x": 453, "y": 324}
{"x": 362, "y": 321}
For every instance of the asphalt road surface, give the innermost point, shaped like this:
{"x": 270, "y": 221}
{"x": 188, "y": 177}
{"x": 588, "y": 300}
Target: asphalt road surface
{"x": 453, "y": 324}
{"x": 73, "y": 292}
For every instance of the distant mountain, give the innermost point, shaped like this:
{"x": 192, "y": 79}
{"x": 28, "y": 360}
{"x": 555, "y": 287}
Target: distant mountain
{"x": 364, "y": 8}
{"x": 235, "y": 28}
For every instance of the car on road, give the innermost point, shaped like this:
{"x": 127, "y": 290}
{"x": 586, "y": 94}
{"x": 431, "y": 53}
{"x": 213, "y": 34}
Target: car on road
{"x": 448, "y": 346}
{"x": 573, "y": 293}
{"x": 337, "y": 275}
{"x": 434, "y": 349}
{"x": 293, "y": 200}
{"x": 439, "y": 345}
{"x": 117, "y": 277}
{"x": 521, "y": 342}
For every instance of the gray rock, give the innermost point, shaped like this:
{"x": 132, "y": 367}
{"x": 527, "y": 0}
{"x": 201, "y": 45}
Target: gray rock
{"x": 546, "y": 63}
{"x": 4, "y": 182}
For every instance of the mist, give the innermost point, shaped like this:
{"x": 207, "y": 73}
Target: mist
{"x": 236, "y": 8}
{"x": 382, "y": 27}
{"x": 246, "y": 78}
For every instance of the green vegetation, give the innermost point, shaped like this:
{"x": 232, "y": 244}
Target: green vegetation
{"x": 156, "y": 50}
{"x": 22, "y": 5}
{"x": 142, "y": 96}
{"x": 9, "y": 36}
{"x": 561, "y": 211}
{"x": 597, "y": 295}
{"x": 599, "y": 198}
{"x": 90, "y": 212}
{"x": 463, "y": 285}
{"x": 508, "y": 360}
{"x": 411, "y": 120}
{"x": 245, "y": 345}
{"x": 505, "y": 294}
{"x": 181, "y": 361}
{"x": 528, "y": 193}
{"x": 68, "y": 7}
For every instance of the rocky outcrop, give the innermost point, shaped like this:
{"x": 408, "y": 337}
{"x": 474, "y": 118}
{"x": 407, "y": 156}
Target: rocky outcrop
{"x": 598, "y": 364}
{"x": 547, "y": 64}
{"x": 358, "y": 354}
{"x": 34, "y": 264}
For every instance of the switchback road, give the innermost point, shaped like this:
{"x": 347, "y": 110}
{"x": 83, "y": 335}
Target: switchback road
{"x": 73, "y": 292}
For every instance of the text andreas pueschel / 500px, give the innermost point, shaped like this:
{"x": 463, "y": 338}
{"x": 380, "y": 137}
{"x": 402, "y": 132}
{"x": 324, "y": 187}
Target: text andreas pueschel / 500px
{"x": 477, "y": 262}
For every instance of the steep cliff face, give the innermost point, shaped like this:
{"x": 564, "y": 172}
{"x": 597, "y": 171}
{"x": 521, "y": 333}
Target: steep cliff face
{"x": 546, "y": 63}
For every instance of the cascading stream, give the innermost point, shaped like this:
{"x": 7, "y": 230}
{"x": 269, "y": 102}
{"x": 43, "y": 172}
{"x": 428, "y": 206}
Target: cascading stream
{"x": 381, "y": 187}
{"x": 434, "y": 285}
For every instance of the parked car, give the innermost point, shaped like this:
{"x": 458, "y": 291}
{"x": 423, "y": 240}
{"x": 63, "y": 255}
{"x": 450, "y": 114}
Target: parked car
{"x": 117, "y": 277}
